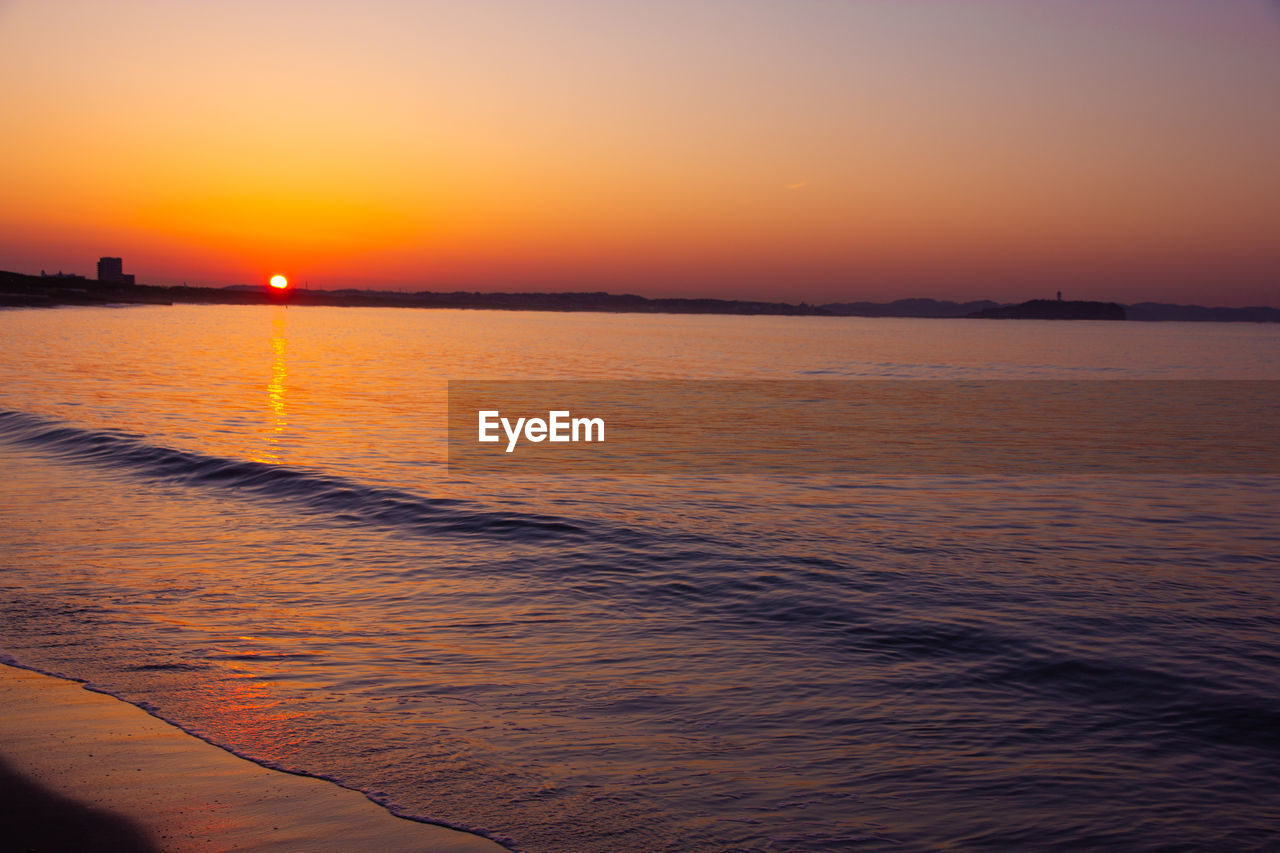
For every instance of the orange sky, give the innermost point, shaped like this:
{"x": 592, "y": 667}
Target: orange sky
{"x": 790, "y": 150}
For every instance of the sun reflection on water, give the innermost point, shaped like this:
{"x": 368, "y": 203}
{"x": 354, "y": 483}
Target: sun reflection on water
{"x": 277, "y": 414}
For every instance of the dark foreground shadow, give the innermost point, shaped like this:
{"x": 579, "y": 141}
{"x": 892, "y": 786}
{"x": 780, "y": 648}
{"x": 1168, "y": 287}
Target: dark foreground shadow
{"x": 33, "y": 818}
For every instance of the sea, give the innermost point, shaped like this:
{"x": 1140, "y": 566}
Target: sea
{"x": 242, "y": 519}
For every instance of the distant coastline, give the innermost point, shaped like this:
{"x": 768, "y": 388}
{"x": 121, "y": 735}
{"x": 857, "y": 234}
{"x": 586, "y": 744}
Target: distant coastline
{"x": 18, "y": 290}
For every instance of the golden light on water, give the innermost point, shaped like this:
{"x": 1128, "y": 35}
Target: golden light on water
{"x": 279, "y": 282}
{"x": 277, "y": 415}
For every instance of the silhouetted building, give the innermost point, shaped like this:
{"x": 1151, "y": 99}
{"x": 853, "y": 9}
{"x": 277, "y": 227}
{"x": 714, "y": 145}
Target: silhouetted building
{"x": 60, "y": 274}
{"x": 112, "y": 269}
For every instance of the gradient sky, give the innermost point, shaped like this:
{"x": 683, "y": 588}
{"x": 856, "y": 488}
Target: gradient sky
{"x": 795, "y": 150}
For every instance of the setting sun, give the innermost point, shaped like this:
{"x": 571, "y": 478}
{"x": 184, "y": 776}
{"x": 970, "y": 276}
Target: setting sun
{"x": 279, "y": 282}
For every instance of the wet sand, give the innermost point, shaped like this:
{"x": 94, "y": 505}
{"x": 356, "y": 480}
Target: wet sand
{"x": 81, "y": 770}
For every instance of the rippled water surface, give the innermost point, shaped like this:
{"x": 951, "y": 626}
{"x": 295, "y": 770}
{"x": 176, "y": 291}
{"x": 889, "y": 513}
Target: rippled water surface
{"x": 240, "y": 518}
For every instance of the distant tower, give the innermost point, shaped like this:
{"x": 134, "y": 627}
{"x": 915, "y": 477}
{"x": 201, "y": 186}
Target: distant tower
{"x": 112, "y": 269}
{"x": 1059, "y": 295}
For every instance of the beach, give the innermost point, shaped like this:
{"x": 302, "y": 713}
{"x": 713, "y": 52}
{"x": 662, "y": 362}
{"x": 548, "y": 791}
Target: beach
{"x": 81, "y": 770}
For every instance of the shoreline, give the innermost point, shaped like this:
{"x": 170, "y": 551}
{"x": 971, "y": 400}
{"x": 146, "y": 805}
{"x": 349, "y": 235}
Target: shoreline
{"x": 76, "y": 764}
{"x": 18, "y": 290}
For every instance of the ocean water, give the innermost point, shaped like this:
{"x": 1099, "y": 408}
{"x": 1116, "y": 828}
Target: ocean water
{"x": 240, "y": 518}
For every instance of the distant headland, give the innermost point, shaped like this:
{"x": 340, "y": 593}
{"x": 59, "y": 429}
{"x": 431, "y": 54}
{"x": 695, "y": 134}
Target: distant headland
{"x": 18, "y": 290}
{"x": 1054, "y": 309}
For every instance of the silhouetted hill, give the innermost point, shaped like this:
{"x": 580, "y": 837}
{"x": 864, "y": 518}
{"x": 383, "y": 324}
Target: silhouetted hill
{"x": 598, "y": 301}
{"x": 1054, "y": 309}
{"x": 909, "y": 308}
{"x": 1156, "y": 311}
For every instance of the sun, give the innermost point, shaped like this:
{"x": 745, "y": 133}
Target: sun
{"x": 279, "y": 282}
